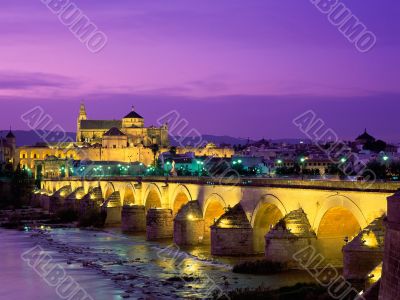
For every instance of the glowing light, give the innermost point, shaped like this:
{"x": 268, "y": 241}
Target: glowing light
{"x": 190, "y": 217}
{"x": 225, "y": 223}
{"x": 370, "y": 240}
{"x": 375, "y": 274}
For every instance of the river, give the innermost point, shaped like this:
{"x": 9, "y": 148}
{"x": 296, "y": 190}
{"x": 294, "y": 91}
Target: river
{"x": 111, "y": 265}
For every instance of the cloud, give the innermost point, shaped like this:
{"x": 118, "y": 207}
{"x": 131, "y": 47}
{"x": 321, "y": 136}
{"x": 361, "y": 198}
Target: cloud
{"x": 14, "y": 80}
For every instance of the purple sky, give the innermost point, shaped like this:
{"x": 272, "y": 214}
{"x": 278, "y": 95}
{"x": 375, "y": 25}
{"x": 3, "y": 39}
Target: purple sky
{"x": 240, "y": 68}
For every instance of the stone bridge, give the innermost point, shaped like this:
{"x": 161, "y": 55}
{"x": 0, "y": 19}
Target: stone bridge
{"x": 235, "y": 218}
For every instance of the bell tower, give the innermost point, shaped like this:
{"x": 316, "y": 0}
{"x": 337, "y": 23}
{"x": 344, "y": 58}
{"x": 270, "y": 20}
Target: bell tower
{"x": 82, "y": 116}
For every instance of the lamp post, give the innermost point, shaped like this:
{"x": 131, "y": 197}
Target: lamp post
{"x": 199, "y": 164}
{"x": 302, "y": 163}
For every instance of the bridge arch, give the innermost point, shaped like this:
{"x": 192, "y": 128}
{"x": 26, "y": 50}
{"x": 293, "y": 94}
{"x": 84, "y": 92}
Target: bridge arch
{"x": 267, "y": 213}
{"x": 108, "y": 190}
{"x": 213, "y": 208}
{"x": 338, "y": 218}
{"x": 180, "y": 197}
{"x": 339, "y": 210}
{"x": 129, "y": 195}
{"x": 153, "y": 197}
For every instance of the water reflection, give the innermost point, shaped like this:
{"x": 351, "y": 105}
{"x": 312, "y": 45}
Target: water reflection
{"x": 110, "y": 265}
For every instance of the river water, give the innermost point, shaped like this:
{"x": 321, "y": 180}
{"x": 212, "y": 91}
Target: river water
{"x": 112, "y": 265}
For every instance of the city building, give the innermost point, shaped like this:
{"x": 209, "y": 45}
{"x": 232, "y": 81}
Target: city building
{"x": 7, "y": 149}
{"x": 132, "y": 126}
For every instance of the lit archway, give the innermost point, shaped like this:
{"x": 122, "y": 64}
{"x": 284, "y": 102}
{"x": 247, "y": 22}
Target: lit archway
{"x": 129, "y": 196}
{"x": 180, "y": 200}
{"x": 337, "y": 225}
{"x": 153, "y": 199}
{"x": 213, "y": 209}
{"x": 108, "y": 190}
{"x": 266, "y": 216}
{"x": 338, "y": 222}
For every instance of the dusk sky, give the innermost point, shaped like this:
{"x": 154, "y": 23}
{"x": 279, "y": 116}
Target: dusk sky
{"x": 239, "y": 68}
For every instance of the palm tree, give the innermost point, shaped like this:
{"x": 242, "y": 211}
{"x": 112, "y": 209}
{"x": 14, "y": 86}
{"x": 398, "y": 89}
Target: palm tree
{"x": 155, "y": 148}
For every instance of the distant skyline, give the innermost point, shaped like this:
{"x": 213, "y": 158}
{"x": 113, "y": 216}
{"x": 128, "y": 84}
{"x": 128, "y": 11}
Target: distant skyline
{"x": 230, "y": 67}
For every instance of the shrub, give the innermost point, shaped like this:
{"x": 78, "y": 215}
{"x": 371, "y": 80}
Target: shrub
{"x": 300, "y": 291}
{"x": 263, "y": 267}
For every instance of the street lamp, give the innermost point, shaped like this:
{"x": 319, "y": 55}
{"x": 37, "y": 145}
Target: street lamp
{"x": 199, "y": 164}
{"x": 302, "y": 160}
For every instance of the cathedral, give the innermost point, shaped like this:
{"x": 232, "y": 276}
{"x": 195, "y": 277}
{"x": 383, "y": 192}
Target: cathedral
{"x": 127, "y": 132}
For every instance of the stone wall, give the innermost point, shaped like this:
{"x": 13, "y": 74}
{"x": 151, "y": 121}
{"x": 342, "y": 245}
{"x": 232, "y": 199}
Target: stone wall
{"x": 189, "y": 225}
{"x": 232, "y": 234}
{"x": 390, "y": 281}
{"x": 133, "y": 218}
{"x": 159, "y": 224}
{"x": 290, "y": 235}
{"x": 364, "y": 253}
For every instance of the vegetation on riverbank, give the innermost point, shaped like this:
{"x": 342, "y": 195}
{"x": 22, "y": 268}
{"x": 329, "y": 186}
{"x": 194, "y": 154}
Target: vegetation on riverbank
{"x": 259, "y": 267}
{"x": 300, "y": 291}
{"x": 16, "y": 188}
{"x": 91, "y": 218}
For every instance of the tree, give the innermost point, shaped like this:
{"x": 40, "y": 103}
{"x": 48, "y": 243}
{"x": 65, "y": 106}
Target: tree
{"x": 380, "y": 170}
{"x": 172, "y": 150}
{"x": 155, "y": 148}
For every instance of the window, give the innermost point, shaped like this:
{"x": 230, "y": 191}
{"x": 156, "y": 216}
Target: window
{"x": 114, "y": 146}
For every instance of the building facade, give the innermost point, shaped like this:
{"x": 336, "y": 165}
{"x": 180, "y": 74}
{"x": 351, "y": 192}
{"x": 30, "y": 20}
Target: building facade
{"x": 132, "y": 126}
{"x": 7, "y": 149}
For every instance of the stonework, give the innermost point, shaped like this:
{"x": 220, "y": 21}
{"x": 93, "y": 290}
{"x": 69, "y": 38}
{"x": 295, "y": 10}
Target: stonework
{"x": 232, "y": 234}
{"x": 189, "y": 225}
{"x": 113, "y": 208}
{"x": 390, "y": 281}
{"x": 290, "y": 235}
{"x": 159, "y": 224}
{"x": 364, "y": 253}
{"x": 131, "y": 126}
{"x": 133, "y": 218}
{"x": 58, "y": 198}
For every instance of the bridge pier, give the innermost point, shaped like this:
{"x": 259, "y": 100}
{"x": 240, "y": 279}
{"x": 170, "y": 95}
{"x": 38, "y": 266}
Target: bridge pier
{"x": 57, "y": 200}
{"x": 92, "y": 201}
{"x": 290, "y": 235}
{"x": 232, "y": 234}
{"x": 133, "y": 218}
{"x": 363, "y": 254}
{"x": 44, "y": 201}
{"x": 189, "y": 225}
{"x": 113, "y": 210}
{"x": 73, "y": 199}
{"x": 159, "y": 224}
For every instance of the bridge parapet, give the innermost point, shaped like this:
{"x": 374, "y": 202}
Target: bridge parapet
{"x": 377, "y": 186}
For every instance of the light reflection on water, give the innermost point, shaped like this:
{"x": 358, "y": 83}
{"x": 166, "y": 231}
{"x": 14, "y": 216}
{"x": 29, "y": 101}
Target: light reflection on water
{"x": 115, "y": 253}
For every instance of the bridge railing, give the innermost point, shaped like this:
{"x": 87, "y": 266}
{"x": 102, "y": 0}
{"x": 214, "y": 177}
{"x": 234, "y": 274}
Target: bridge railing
{"x": 379, "y": 186}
